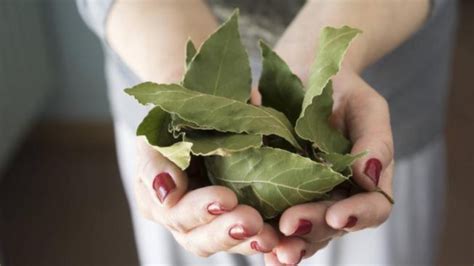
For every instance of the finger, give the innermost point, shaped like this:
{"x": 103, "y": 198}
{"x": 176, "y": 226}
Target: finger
{"x": 312, "y": 248}
{"x": 360, "y": 211}
{"x": 368, "y": 120}
{"x": 308, "y": 222}
{"x": 201, "y": 206}
{"x": 225, "y": 231}
{"x": 255, "y": 97}
{"x": 162, "y": 178}
{"x": 272, "y": 260}
{"x": 144, "y": 202}
{"x": 290, "y": 250}
{"x": 264, "y": 242}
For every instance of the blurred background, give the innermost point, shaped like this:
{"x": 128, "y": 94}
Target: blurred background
{"x": 61, "y": 198}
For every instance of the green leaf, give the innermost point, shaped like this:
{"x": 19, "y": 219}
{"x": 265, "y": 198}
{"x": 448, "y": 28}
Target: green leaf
{"x": 221, "y": 67}
{"x": 271, "y": 180}
{"x": 206, "y": 143}
{"x": 333, "y": 45}
{"x": 179, "y": 153}
{"x": 215, "y": 112}
{"x": 313, "y": 123}
{"x": 155, "y": 129}
{"x": 190, "y": 51}
{"x": 280, "y": 88}
{"x": 340, "y": 162}
{"x": 315, "y": 126}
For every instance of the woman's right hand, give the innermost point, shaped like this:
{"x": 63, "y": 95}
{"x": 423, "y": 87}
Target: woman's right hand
{"x": 205, "y": 220}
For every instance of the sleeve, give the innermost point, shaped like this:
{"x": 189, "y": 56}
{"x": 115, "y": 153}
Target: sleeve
{"x": 436, "y": 6}
{"x": 95, "y": 13}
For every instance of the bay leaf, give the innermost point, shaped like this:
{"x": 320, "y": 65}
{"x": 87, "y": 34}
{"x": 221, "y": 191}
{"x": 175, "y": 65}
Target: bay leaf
{"x": 155, "y": 129}
{"x": 280, "y": 88}
{"x": 215, "y": 112}
{"x": 341, "y": 162}
{"x": 190, "y": 52}
{"x": 315, "y": 126}
{"x": 333, "y": 45}
{"x": 271, "y": 180}
{"x": 221, "y": 67}
{"x": 207, "y": 143}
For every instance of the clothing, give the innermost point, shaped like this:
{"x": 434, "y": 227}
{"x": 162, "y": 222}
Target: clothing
{"x": 409, "y": 237}
{"x": 414, "y": 75}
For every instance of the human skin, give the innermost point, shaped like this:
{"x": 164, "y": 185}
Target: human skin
{"x": 150, "y": 36}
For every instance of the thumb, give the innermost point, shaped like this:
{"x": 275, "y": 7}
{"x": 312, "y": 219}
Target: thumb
{"x": 162, "y": 178}
{"x": 368, "y": 121}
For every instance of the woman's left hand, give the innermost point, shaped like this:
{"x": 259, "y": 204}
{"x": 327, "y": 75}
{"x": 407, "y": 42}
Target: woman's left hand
{"x": 363, "y": 113}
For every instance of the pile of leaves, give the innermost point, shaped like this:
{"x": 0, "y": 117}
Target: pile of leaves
{"x": 273, "y": 156}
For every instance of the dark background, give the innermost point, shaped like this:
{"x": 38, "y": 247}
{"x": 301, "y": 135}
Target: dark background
{"x": 62, "y": 203}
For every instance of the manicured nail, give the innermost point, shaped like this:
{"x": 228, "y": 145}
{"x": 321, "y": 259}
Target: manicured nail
{"x": 373, "y": 167}
{"x": 304, "y": 227}
{"x": 163, "y": 184}
{"x": 351, "y": 221}
{"x": 255, "y": 246}
{"x": 215, "y": 208}
{"x": 238, "y": 232}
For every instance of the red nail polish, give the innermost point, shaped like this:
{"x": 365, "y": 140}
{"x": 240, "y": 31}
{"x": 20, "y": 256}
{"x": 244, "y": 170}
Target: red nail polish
{"x": 238, "y": 232}
{"x": 215, "y": 208}
{"x": 163, "y": 184}
{"x": 373, "y": 167}
{"x": 304, "y": 227}
{"x": 351, "y": 221}
{"x": 255, "y": 246}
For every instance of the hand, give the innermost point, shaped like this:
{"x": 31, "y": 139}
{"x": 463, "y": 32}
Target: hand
{"x": 205, "y": 220}
{"x": 363, "y": 114}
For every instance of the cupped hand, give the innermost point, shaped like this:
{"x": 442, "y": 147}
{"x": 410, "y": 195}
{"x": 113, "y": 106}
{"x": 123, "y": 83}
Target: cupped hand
{"x": 363, "y": 115}
{"x": 205, "y": 220}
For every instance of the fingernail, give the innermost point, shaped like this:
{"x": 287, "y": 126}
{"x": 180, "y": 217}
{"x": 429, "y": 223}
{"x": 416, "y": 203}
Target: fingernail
{"x": 304, "y": 227}
{"x": 215, "y": 208}
{"x": 351, "y": 221}
{"x": 255, "y": 246}
{"x": 373, "y": 167}
{"x": 238, "y": 232}
{"x": 163, "y": 184}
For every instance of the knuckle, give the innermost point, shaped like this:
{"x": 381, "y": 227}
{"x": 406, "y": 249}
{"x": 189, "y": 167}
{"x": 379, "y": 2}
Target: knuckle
{"x": 177, "y": 226}
{"x": 383, "y": 104}
{"x": 387, "y": 149}
{"x": 323, "y": 244}
{"x": 221, "y": 192}
{"x": 145, "y": 213}
{"x": 378, "y": 100}
{"x": 381, "y": 212}
{"x": 198, "y": 251}
{"x": 185, "y": 242}
{"x": 229, "y": 194}
{"x": 203, "y": 217}
{"x": 385, "y": 213}
{"x": 202, "y": 253}
{"x": 251, "y": 213}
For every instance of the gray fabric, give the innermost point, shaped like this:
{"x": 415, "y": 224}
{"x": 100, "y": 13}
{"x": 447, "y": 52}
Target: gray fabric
{"x": 413, "y": 78}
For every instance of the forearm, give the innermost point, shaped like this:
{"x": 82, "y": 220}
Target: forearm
{"x": 385, "y": 25}
{"x": 150, "y": 35}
